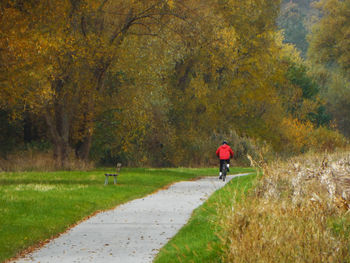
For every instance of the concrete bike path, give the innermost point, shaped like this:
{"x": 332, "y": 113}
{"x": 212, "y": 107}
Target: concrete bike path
{"x": 132, "y": 232}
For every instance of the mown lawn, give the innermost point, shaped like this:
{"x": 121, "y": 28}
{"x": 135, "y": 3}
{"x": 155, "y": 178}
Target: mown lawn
{"x": 35, "y": 206}
{"x": 198, "y": 240}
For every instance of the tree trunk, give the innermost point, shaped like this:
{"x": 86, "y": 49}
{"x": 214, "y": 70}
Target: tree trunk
{"x": 83, "y": 149}
{"x": 58, "y": 121}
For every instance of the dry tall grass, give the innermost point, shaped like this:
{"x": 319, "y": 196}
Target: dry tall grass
{"x": 298, "y": 212}
{"x": 39, "y": 161}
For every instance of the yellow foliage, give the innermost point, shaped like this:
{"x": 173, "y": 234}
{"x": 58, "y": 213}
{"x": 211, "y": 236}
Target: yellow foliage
{"x": 296, "y": 134}
{"x": 303, "y": 136}
{"x": 323, "y": 139}
{"x": 210, "y": 66}
{"x": 171, "y": 4}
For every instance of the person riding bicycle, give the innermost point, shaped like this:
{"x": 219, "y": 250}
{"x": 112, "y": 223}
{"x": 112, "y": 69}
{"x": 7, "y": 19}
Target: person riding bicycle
{"x": 224, "y": 152}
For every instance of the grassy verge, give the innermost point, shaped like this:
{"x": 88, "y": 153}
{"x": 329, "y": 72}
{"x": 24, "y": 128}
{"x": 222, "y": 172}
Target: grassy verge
{"x": 198, "y": 240}
{"x": 35, "y": 206}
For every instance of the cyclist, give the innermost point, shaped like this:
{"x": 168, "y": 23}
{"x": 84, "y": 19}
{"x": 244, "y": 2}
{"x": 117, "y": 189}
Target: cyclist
{"x": 224, "y": 152}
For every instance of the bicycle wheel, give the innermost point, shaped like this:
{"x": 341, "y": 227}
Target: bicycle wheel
{"x": 224, "y": 171}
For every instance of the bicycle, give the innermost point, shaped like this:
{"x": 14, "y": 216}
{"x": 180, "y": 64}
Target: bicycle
{"x": 224, "y": 170}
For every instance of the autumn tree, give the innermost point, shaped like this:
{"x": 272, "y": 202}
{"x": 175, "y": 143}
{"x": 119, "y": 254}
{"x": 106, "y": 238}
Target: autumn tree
{"x": 155, "y": 82}
{"x": 294, "y": 19}
{"x": 228, "y": 81}
{"x": 70, "y": 46}
{"x": 329, "y": 45}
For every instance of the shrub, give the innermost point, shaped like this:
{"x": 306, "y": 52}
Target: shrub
{"x": 300, "y": 137}
{"x": 323, "y": 139}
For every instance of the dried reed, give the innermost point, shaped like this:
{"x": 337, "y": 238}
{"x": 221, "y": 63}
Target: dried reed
{"x": 290, "y": 215}
{"x": 39, "y": 161}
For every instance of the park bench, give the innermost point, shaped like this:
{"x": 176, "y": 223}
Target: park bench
{"x": 119, "y": 166}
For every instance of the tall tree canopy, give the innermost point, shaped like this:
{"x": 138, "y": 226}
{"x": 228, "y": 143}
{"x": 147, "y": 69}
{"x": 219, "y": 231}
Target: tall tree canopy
{"x": 295, "y": 19}
{"x": 329, "y": 47}
{"x": 62, "y": 52}
{"x": 158, "y": 82}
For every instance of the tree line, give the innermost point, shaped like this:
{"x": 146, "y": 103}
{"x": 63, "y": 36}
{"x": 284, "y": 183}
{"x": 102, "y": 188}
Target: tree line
{"x": 157, "y": 82}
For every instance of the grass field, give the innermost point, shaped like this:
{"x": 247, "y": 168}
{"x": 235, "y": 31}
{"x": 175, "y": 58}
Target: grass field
{"x": 35, "y": 206}
{"x": 198, "y": 240}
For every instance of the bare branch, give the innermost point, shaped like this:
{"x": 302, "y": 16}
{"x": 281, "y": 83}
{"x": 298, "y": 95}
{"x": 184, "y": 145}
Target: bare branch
{"x": 82, "y": 23}
{"x": 102, "y": 5}
{"x": 143, "y": 34}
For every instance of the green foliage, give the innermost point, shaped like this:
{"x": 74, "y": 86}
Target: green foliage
{"x": 338, "y": 97}
{"x": 330, "y": 57}
{"x": 307, "y": 104}
{"x": 328, "y": 42}
{"x": 297, "y": 75}
{"x": 341, "y": 226}
{"x": 321, "y": 117}
{"x": 294, "y": 19}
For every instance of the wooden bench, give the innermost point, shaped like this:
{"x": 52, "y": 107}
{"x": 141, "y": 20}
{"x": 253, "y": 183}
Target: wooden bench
{"x": 119, "y": 166}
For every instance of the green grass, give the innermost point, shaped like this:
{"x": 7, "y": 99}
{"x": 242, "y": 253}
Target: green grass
{"x": 35, "y": 206}
{"x": 198, "y": 241}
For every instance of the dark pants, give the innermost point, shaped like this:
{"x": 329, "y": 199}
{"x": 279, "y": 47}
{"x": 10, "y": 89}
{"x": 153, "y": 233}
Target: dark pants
{"x": 222, "y": 162}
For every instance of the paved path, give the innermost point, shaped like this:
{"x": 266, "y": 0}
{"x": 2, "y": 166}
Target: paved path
{"x": 133, "y": 232}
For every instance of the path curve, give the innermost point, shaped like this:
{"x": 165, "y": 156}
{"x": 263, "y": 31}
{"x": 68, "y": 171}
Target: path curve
{"x": 133, "y": 232}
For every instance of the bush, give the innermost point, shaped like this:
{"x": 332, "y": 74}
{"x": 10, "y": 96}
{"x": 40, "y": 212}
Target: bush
{"x": 300, "y": 137}
{"x": 323, "y": 139}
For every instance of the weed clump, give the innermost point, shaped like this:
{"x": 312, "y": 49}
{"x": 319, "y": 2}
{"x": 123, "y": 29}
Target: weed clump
{"x": 298, "y": 212}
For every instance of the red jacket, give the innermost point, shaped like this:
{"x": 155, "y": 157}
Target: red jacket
{"x": 224, "y": 152}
